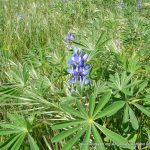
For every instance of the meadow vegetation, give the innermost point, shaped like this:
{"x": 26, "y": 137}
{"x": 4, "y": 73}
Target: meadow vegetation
{"x": 40, "y": 109}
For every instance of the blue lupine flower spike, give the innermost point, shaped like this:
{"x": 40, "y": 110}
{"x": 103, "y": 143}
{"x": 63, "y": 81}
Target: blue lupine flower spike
{"x": 79, "y": 69}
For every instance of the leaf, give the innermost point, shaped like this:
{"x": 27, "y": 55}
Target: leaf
{"x": 105, "y": 98}
{"x": 12, "y": 126}
{"x": 91, "y": 105}
{"x": 70, "y": 143}
{"x": 86, "y": 140}
{"x": 17, "y": 120}
{"x": 116, "y": 138}
{"x": 67, "y": 124}
{"x": 32, "y": 143}
{"x": 111, "y": 109}
{"x": 133, "y": 119}
{"x": 81, "y": 108}
{"x": 101, "y": 40}
{"x": 68, "y": 99}
{"x": 99, "y": 143}
{"x": 8, "y": 131}
{"x": 72, "y": 111}
{"x": 142, "y": 86}
{"x": 65, "y": 134}
{"x": 9, "y": 142}
{"x": 143, "y": 109}
{"x": 126, "y": 114}
{"x": 18, "y": 142}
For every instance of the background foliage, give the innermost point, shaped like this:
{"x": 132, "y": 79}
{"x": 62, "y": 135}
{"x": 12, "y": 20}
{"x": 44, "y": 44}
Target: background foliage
{"x": 40, "y": 109}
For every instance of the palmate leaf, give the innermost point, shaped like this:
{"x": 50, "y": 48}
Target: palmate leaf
{"x": 116, "y": 138}
{"x": 143, "y": 109}
{"x": 89, "y": 122}
{"x": 122, "y": 82}
{"x": 18, "y": 129}
{"x": 111, "y": 109}
{"x": 133, "y": 119}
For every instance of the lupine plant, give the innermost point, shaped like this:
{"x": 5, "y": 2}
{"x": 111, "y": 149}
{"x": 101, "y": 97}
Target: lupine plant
{"x": 88, "y": 89}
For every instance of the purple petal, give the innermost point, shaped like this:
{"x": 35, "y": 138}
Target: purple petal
{"x": 70, "y": 71}
{"x": 70, "y": 62}
{"x": 85, "y": 72}
{"x": 87, "y": 66}
{"x": 85, "y": 57}
{"x": 66, "y": 38}
{"x": 71, "y": 37}
{"x": 87, "y": 81}
{"x": 81, "y": 63}
{"x": 76, "y": 59}
{"x": 75, "y": 73}
{"x": 80, "y": 69}
{"x": 72, "y": 80}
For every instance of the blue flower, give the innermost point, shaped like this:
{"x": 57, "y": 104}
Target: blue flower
{"x": 69, "y": 37}
{"x": 79, "y": 69}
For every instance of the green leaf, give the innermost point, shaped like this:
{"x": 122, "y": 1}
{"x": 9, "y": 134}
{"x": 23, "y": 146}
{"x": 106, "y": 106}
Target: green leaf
{"x": 133, "y": 119}
{"x": 86, "y": 140}
{"x": 102, "y": 102}
{"x": 143, "y": 109}
{"x": 99, "y": 143}
{"x": 116, "y": 138}
{"x": 101, "y": 40}
{"x": 72, "y": 111}
{"x": 76, "y": 138}
{"x": 8, "y": 131}
{"x": 111, "y": 109}
{"x": 67, "y": 124}
{"x": 142, "y": 86}
{"x": 9, "y": 142}
{"x": 12, "y": 126}
{"x": 18, "y": 142}
{"x": 126, "y": 114}
{"x": 67, "y": 100}
{"x": 81, "y": 108}
{"x": 91, "y": 105}
{"x": 32, "y": 143}
{"x": 17, "y": 120}
{"x": 65, "y": 134}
